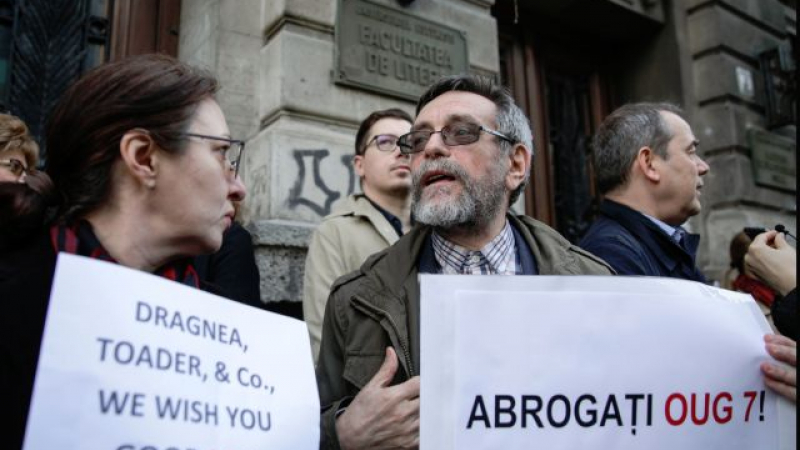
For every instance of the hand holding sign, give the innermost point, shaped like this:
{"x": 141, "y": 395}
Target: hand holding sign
{"x": 780, "y": 378}
{"x": 382, "y": 416}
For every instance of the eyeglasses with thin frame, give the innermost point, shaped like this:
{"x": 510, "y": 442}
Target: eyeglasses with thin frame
{"x": 454, "y": 134}
{"x": 15, "y": 166}
{"x": 232, "y": 153}
{"x": 384, "y": 142}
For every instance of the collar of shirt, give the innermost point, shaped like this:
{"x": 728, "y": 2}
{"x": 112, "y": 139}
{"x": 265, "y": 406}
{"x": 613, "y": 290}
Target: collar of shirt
{"x": 393, "y": 220}
{"x": 675, "y": 233}
{"x": 499, "y": 256}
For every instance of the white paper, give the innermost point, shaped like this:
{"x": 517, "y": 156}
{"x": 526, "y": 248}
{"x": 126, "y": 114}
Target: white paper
{"x": 603, "y": 344}
{"x": 236, "y": 377}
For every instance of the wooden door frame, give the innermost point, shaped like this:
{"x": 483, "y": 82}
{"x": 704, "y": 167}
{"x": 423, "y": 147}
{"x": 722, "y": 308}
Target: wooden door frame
{"x": 144, "y": 26}
{"x": 527, "y": 63}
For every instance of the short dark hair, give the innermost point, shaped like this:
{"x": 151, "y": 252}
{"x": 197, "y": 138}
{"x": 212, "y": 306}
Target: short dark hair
{"x": 157, "y": 93}
{"x": 511, "y": 121}
{"x": 366, "y": 124}
{"x": 618, "y": 139}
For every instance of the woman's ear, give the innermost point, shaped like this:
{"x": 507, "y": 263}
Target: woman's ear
{"x": 139, "y": 157}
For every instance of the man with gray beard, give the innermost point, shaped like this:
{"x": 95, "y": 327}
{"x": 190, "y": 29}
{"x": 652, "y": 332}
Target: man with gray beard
{"x": 471, "y": 153}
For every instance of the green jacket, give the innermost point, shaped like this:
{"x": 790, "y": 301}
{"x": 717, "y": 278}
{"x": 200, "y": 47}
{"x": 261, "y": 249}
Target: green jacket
{"x": 378, "y": 306}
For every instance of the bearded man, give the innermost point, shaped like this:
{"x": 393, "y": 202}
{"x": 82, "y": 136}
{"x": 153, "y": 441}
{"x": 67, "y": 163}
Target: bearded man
{"x": 471, "y": 153}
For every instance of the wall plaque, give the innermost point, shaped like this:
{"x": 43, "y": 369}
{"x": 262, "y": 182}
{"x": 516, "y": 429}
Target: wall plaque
{"x": 774, "y": 160}
{"x": 391, "y": 52}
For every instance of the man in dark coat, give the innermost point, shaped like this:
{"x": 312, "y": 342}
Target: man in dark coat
{"x": 471, "y": 153}
{"x": 647, "y": 166}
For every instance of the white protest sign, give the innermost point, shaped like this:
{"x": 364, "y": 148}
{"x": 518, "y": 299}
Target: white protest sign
{"x": 594, "y": 363}
{"x": 131, "y": 361}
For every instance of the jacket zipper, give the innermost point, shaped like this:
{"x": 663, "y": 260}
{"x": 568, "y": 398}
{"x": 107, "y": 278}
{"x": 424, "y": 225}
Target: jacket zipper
{"x": 373, "y": 310}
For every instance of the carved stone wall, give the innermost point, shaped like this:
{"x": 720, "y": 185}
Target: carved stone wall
{"x": 276, "y": 60}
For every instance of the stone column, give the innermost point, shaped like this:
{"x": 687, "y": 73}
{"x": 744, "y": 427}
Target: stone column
{"x": 727, "y": 99}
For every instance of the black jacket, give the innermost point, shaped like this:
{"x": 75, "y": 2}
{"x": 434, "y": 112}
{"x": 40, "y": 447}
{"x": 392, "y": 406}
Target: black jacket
{"x": 785, "y": 315}
{"x": 26, "y": 274}
{"x": 232, "y": 272}
{"x": 633, "y": 245}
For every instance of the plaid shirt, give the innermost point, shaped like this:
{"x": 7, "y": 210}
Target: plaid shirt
{"x": 498, "y": 256}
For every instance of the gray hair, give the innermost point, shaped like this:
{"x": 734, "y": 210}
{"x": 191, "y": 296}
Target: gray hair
{"x": 619, "y": 138}
{"x": 511, "y": 121}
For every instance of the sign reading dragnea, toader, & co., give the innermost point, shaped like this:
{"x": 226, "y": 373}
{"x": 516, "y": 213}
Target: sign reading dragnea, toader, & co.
{"x": 133, "y": 361}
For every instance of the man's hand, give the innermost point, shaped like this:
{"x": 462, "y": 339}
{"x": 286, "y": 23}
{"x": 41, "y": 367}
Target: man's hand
{"x": 780, "y": 378}
{"x": 382, "y": 416}
{"x": 773, "y": 261}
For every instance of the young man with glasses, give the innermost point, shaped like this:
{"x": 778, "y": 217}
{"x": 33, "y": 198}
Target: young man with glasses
{"x": 364, "y": 223}
{"x": 470, "y": 153}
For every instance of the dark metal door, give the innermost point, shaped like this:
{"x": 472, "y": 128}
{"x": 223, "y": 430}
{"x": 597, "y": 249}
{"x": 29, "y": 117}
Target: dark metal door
{"x": 569, "y": 131}
{"x": 47, "y": 44}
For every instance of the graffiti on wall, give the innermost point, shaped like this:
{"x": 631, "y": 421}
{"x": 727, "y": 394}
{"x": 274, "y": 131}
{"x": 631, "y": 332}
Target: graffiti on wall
{"x": 347, "y": 161}
{"x": 299, "y": 193}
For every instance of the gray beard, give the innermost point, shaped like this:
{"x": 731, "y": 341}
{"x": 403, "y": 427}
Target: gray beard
{"x": 479, "y": 202}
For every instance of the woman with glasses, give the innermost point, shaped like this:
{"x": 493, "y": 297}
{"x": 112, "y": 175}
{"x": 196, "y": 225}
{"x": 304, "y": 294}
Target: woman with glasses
{"x": 144, "y": 174}
{"x": 18, "y": 151}
{"x": 22, "y": 203}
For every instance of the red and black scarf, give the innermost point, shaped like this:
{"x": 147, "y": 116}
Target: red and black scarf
{"x": 760, "y": 291}
{"x": 79, "y": 239}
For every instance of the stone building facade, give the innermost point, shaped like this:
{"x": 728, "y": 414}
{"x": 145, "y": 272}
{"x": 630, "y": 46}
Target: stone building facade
{"x": 568, "y": 63}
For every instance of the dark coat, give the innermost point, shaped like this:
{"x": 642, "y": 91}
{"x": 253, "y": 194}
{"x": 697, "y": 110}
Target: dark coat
{"x": 633, "y": 245}
{"x": 26, "y": 274}
{"x": 232, "y": 271}
{"x": 378, "y": 306}
{"x": 784, "y": 315}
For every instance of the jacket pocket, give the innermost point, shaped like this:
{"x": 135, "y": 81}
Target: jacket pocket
{"x": 359, "y": 369}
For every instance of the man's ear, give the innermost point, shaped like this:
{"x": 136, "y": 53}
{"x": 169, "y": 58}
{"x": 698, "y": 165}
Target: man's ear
{"x": 520, "y": 164}
{"x": 139, "y": 157}
{"x": 358, "y": 165}
{"x": 647, "y": 163}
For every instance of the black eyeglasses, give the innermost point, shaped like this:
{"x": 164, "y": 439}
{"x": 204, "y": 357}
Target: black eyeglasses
{"x": 15, "y": 166}
{"x": 384, "y": 142}
{"x": 457, "y": 133}
{"x": 232, "y": 152}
